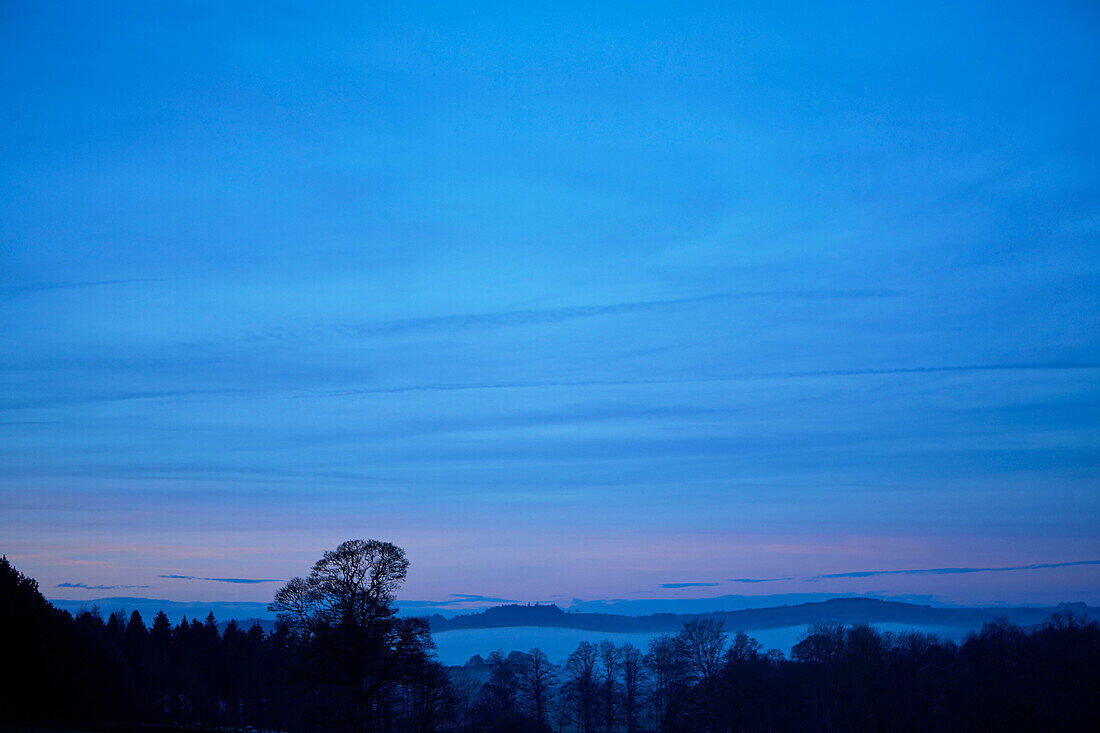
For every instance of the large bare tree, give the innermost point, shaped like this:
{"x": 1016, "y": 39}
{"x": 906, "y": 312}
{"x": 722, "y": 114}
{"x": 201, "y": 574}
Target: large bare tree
{"x": 537, "y": 680}
{"x": 344, "y": 615}
{"x": 702, "y": 645}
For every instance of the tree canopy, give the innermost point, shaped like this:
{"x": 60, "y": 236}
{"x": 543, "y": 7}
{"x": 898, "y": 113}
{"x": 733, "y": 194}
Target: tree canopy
{"x": 350, "y": 588}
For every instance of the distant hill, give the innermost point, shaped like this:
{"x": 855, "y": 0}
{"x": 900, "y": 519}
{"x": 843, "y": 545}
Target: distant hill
{"x": 835, "y": 610}
{"x": 148, "y": 607}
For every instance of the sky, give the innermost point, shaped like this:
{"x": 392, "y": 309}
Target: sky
{"x": 569, "y": 300}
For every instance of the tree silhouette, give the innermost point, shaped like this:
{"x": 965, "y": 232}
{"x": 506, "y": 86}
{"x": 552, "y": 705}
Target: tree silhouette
{"x": 702, "y": 644}
{"x": 633, "y": 675}
{"x": 537, "y": 680}
{"x": 609, "y": 657}
{"x": 580, "y": 668}
{"x": 342, "y": 615}
{"x": 87, "y": 672}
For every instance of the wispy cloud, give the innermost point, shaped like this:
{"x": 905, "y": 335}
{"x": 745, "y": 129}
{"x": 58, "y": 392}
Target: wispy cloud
{"x": 456, "y": 599}
{"x": 913, "y": 571}
{"x": 11, "y": 291}
{"x": 52, "y": 401}
{"x": 537, "y": 316}
{"x": 85, "y": 586}
{"x": 745, "y": 377}
{"x": 66, "y": 401}
{"x": 468, "y": 597}
{"x": 951, "y": 571}
{"x": 687, "y": 585}
{"x": 223, "y": 580}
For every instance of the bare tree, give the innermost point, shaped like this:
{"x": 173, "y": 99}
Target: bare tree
{"x": 633, "y": 673}
{"x": 465, "y": 689}
{"x": 562, "y": 706}
{"x": 537, "y": 680}
{"x": 743, "y": 648}
{"x": 343, "y": 614}
{"x": 663, "y": 660}
{"x": 428, "y": 695}
{"x": 609, "y": 672}
{"x": 349, "y": 587}
{"x": 702, "y": 644}
{"x": 501, "y": 691}
{"x": 581, "y": 671}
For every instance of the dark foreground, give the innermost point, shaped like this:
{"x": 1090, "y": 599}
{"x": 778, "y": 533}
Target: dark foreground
{"x": 118, "y": 674}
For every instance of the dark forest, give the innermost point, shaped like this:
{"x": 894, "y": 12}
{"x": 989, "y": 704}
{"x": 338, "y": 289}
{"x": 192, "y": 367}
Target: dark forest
{"x": 90, "y": 671}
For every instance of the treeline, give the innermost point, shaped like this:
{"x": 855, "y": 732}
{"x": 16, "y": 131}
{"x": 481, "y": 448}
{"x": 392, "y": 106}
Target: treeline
{"x": 88, "y": 669}
{"x": 838, "y": 678}
{"x": 61, "y": 668}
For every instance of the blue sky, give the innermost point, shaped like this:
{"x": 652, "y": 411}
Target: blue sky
{"x": 571, "y": 302}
